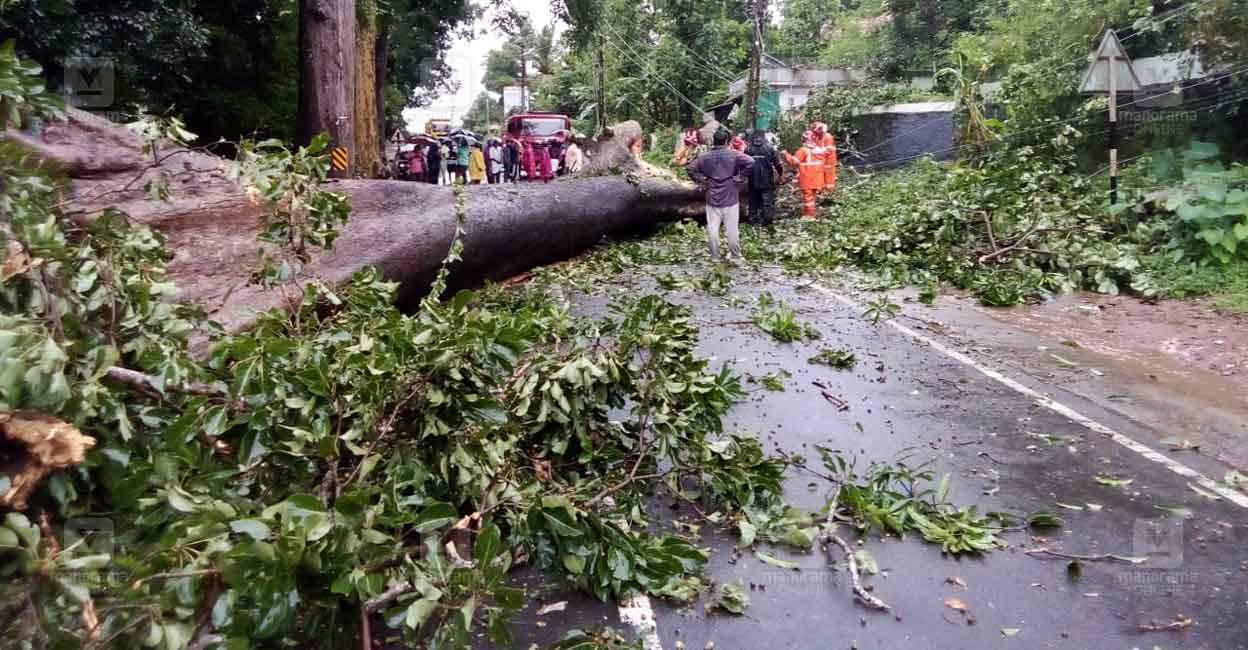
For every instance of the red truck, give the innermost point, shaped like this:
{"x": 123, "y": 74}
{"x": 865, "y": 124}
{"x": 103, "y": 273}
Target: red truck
{"x": 540, "y": 128}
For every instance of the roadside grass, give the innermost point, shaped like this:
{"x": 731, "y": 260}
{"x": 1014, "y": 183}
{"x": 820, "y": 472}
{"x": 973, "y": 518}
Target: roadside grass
{"x": 1226, "y": 286}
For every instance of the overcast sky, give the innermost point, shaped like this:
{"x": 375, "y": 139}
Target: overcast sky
{"x": 467, "y": 58}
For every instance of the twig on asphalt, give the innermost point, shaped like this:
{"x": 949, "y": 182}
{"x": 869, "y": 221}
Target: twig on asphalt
{"x": 989, "y": 457}
{"x": 1110, "y": 557}
{"x": 829, "y": 535}
{"x": 838, "y": 402}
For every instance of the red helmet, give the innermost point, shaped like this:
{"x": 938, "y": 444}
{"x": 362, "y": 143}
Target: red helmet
{"x": 691, "y": 138}
{"x": 808, "y": 136}
{"x": 819, "y": 128}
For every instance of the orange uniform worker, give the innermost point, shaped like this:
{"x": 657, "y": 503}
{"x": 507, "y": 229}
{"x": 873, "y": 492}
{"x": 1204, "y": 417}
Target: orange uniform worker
{"x": 826, "y": 149}
{"x": 810, "y": 172}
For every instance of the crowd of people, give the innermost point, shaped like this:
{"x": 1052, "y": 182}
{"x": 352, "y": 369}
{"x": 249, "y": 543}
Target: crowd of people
{"x": 467, "y": 160}
{"x": 734, "y": 162}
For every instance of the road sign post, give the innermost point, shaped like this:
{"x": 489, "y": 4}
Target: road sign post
{"x": 1110, "y": 73}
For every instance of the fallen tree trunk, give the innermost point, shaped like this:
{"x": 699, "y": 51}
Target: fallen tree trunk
{"x": 403, "y": 228}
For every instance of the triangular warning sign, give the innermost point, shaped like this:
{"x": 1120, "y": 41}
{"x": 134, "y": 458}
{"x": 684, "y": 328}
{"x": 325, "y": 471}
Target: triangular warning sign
{"x": 1110, "y": 53}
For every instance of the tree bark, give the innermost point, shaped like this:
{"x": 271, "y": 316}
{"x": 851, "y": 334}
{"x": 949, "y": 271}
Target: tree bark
{"x": 403, "y": 228}
{"x": 367, "y": 129}
{"x": 327, "y": 74}
{"x": 381, "y": 58}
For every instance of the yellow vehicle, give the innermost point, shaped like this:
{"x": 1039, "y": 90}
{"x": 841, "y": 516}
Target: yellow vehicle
{"x": 438, "y": 128}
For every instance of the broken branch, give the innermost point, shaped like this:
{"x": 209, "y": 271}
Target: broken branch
{"x": 829, "y": 535}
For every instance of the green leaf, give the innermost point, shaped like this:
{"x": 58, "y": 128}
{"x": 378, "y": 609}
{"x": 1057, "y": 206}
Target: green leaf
{"x": 730, "y": 597}
{"x": 418, "y": 612}
{"x": 1212, "y": 496}
{"x": 435, "y": 516}
{"x": 1112, "y": 481}
{"x": 88, "y": 562}
{"x": 747, "y": 533}
{"x": 509, "y": 597}
{"x": 1201, "y": 151}
{"x": 177, "y": 635}
{"x": 258, "y": 530}
{"x": 866, "y": 562}
{"x": 776, "y": 562}
{"x": 575, "y": 564}
{"x": 1213, "y": 191}
{"x": 216, "y": 420}
{"x": 487, "y": 545}
{"x": 223, "y": 609}
{"x": 942, "y": 492}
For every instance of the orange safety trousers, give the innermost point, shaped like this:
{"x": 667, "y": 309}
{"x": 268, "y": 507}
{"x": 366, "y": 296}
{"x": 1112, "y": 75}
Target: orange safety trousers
{"x": 809, "y": 177}
{"x": 808, "y": 203}
{"x": 826, "y": 151}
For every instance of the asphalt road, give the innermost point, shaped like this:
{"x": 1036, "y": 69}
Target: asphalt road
{"x": 975, "y": 420}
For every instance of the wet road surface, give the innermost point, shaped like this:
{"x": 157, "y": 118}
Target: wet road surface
{"x": 907, "y": 397}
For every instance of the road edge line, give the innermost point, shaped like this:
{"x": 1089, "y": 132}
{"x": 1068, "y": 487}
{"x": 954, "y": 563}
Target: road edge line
{"x": 637, "y": 612}
{"x": 1047, "y": 402}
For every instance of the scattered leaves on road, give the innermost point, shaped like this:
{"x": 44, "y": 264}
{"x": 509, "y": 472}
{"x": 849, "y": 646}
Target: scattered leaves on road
{"x": 730, "y": 597}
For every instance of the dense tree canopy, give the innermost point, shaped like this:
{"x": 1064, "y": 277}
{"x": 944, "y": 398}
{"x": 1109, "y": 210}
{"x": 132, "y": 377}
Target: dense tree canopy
{"x": 229, "y": 66}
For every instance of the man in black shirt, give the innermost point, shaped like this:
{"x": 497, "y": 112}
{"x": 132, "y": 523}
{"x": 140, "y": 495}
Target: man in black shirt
{"x": 764, "y": 177}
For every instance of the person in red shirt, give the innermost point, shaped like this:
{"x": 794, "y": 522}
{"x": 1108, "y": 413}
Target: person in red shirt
{"x": 529, "y": 160}
{"x": 809, "y": 172}
{"x": 825, "y": 145}
{"x": 545, "y": 169}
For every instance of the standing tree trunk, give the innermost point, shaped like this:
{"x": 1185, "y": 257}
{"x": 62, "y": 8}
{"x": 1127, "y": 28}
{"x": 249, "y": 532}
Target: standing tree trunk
{"x": 367, "y": 130}
{"x": 327, "y": 74}
{"x": 381, "y": 57}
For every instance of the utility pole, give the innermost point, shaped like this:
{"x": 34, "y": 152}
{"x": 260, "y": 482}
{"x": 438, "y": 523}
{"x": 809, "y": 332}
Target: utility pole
{"x": 759, "y": 9}
{"x": 602, "y": 85}
{"x": 524, "y": 80}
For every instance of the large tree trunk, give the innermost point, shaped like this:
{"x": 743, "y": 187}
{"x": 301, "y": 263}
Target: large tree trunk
{"x": 367, "y": 129}
{"x": 381, "y": 58}
{"x": 403, "y": 228}
{"x": 327, "y": 74}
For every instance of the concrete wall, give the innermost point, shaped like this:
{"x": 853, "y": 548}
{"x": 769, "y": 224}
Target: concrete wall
{"x": 895, "y": 136}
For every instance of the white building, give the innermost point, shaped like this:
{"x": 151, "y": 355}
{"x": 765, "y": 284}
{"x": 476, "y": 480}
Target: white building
{"x": 794, "y": 83}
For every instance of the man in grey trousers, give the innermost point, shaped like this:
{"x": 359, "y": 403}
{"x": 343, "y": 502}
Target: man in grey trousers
{"x": 722, "y": 171}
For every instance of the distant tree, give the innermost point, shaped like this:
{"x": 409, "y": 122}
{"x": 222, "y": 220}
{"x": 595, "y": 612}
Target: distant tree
{"x": 486, "y": 110}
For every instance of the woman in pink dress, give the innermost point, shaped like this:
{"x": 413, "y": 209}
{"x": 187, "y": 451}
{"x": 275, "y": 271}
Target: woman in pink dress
{"x": 529, "y": 160}
{"x": 543, "y": 164}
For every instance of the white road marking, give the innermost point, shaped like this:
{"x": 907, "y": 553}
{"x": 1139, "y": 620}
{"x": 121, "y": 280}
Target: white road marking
{"x": 638, "y": 613}
{"x": 1047, "y": 402}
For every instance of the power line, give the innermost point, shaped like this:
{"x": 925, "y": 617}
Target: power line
{"x": 716, "y": 70}
{"x": 1077, "y": 120}
{"x": 1235, "y": 96}
{"x": 637, "y": 59}
{"x": 1165, "y": 17}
